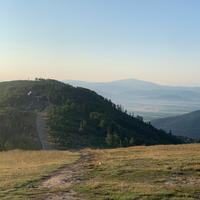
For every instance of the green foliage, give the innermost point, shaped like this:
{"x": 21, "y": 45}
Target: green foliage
{"x": 4, "y": 146}
{"x": 86, "y": 119}
{"x": 21, "y": 145}
{"x": 109, "y": 139}
{"x": 132, "y": 141}
{"x": 189, "y": 140}
{"x": 81, "y": 118}
{"x": 15, "y": 106}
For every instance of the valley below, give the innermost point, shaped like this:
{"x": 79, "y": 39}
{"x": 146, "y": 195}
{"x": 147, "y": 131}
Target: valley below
{"x": 152, "y": 109}
{"x": 102, "y": 149}
{"x": 150, "y": 100}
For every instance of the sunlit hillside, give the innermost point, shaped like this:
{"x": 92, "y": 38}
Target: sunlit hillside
{"x": 80, "y": 118}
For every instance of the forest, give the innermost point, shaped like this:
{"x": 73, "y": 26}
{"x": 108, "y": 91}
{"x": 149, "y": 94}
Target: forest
{"x": 80, "y": 118}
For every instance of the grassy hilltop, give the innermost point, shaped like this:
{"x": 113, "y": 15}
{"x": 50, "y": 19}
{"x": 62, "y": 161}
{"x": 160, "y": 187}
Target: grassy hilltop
{"x": 154, "y": 172}
{"x": 140, "y": 172}
{"x": 80, "y": 119}
{"x": 20, "y": 169}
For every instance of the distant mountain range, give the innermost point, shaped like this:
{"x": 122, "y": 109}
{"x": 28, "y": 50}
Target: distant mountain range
{"x": 131, "y": 85}
{"x": 185, "y": 125}
{"x": 145, "y": 98}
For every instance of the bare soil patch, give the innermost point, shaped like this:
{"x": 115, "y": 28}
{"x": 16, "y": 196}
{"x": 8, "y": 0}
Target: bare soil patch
{"x": 64, "y": 177}
{"x": 185, "y": 181}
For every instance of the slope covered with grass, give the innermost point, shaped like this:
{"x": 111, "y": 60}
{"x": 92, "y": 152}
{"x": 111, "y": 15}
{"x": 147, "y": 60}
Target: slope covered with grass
{"x": 20, "y": 169}
{"x": 154, "y": 172}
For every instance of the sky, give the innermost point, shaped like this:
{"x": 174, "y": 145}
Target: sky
{"x": 101, "y": 40}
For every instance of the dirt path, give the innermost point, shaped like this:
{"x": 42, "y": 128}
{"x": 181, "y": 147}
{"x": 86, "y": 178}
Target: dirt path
{"x": 64, "y": 177}
{"x": 42, "y": 132}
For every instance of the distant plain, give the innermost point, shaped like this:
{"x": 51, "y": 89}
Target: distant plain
{"x": 150, "y": 100}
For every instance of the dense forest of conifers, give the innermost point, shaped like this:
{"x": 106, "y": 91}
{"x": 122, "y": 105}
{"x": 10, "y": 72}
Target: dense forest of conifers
{"x": 80, "y": 118}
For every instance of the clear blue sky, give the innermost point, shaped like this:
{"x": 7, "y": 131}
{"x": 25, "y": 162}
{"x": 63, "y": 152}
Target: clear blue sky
{"x": 101, "y": 40}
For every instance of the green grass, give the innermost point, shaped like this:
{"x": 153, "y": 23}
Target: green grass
{"x": 154, "y": 172}
{"x": 19, "y": 169}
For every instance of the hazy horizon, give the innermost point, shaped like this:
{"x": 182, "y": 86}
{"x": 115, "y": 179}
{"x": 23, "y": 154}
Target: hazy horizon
{"x": 101, "y": 41}
{"x": 175, "y": 85}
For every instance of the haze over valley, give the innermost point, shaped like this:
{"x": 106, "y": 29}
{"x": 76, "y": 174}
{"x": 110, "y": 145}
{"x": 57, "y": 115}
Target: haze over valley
{"x": 99, "y": 100}
{"x": 144, "y": 98}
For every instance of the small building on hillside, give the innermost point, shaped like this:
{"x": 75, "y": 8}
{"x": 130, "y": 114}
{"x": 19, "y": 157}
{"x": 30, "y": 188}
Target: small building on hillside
{"x": 31, "y": 93}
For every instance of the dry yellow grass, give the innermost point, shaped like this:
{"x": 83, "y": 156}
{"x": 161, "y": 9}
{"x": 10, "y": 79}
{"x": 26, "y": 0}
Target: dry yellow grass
{"x": 144, "y": 172}
{"x": 19, "y": 168}
{"x": 174, "y": 153}
{"x": 153, "y": 172}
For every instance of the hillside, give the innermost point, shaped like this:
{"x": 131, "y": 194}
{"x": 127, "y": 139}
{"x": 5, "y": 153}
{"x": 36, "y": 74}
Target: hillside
{"x": 144, "y": 98}
{"x": 81, "y": 118}
{"x": 184, "y": 125}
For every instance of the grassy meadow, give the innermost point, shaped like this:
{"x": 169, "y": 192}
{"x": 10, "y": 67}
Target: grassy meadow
{"x": 141, "y": 172}
{"x": 19, "y": 169}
